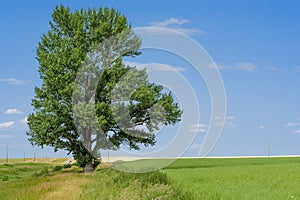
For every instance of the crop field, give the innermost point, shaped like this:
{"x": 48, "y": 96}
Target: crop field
{"x": 237, "y": 179}
{"x": 209, "y": 178}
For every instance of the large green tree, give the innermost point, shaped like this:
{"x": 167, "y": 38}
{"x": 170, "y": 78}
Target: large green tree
{"x": 71, "y": 40}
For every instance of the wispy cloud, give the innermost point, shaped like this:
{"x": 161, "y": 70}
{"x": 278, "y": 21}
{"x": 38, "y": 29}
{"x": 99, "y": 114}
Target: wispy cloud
{"x": 198, "y": 128}
{"x": 11, "y": 111}
{"x": 225, "y": 124}
{"x": 297, "y": 131}
{"x": 176, "y": 24}
{"x": 195, "y": 146}
{"x": 261, "y": 127}
{"x": 230, "y": 117}
{"x": 155, "y": 66}
{"x": 272, "y": 68}
{"x": 7, "y": 124}
{"x": 243, "y": 66}
{"x": 5, "y": 136}
{"x": 225, "y": 121}
{"x": 13, "y": 81}
{"x": 291, "y": 124}
{"x": 24, "y": 121}
{"x": 169, "y": 22}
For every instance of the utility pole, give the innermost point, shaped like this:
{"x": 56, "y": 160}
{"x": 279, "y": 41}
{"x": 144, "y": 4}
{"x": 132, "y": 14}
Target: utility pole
{"x": 268, "y": 151}
{"x": 24, "y": 156}
{"x": 6, "y": 153}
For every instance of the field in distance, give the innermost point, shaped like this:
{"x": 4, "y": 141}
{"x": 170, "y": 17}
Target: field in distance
{"x": 238, "y": 178}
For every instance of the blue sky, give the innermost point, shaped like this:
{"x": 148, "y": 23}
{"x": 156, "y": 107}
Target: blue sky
{"x": 256, "y": 45}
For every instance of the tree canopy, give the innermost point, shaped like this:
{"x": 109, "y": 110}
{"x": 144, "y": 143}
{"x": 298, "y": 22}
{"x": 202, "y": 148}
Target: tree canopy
{"x": 124, "y": 98}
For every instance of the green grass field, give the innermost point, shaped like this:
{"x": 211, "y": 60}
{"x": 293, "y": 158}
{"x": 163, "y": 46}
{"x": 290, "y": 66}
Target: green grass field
{"x": 50, "y": 180}
{"x": 237, "y": 179}
{"x": 241, "y": 178}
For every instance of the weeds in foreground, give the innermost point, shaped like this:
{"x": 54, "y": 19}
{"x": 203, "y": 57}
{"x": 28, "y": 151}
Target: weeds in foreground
{"x": 113, "y": 184}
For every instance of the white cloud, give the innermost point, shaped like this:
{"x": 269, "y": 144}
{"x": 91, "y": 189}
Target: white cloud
{"x": 272, "y": 68}
{"x": 24, "y": 121}
{"x": 170, "y": 21}
{"x": 176, "y": 24}
{"x": 230, "y": 117}
{"x": 297, "y": 131}
{"x": 225, "y": 121}
{"x": 195, "y": 146}
{"x": 198, "y": 128}
{"x": 6, "y": 124}
{"x": 5, "y": 136}
{"x": 13, "y": 111}
{"x": 243, "y": 66}
{"x": 225, "y": 124}
{"x": 261, "y": 127}
{"x": 291, "y": 124}
{"x": 151, "y": 67}
{"x": 13, "y": 81}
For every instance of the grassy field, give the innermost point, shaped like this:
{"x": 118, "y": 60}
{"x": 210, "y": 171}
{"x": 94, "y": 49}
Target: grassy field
{"x": 242, "y": 178}
{"x": 112, "y": 184}
{"x": 53, "y": 181}
{"x": 37, "y": 180}
{"x": 237, "y": 179}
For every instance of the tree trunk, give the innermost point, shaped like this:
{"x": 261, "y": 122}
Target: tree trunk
{"x": 88, "y": 168}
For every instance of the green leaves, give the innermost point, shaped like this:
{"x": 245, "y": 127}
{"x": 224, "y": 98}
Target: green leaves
{"x": 125, "y": 108}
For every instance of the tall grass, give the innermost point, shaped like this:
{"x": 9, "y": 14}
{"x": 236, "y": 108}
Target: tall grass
{"x": 38, "y": 181}
{"x": 48, "y": 181}
{"x": 113, "y": 184}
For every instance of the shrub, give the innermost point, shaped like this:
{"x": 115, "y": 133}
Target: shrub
{"x": 44, "y": 172}
{"x": 5, "y": 178}
{"x": 67, "y": 165}
{"x": 57, "y": 168}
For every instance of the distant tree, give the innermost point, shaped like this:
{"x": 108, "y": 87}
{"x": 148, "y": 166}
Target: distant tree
{"x": 61, "y": 53}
